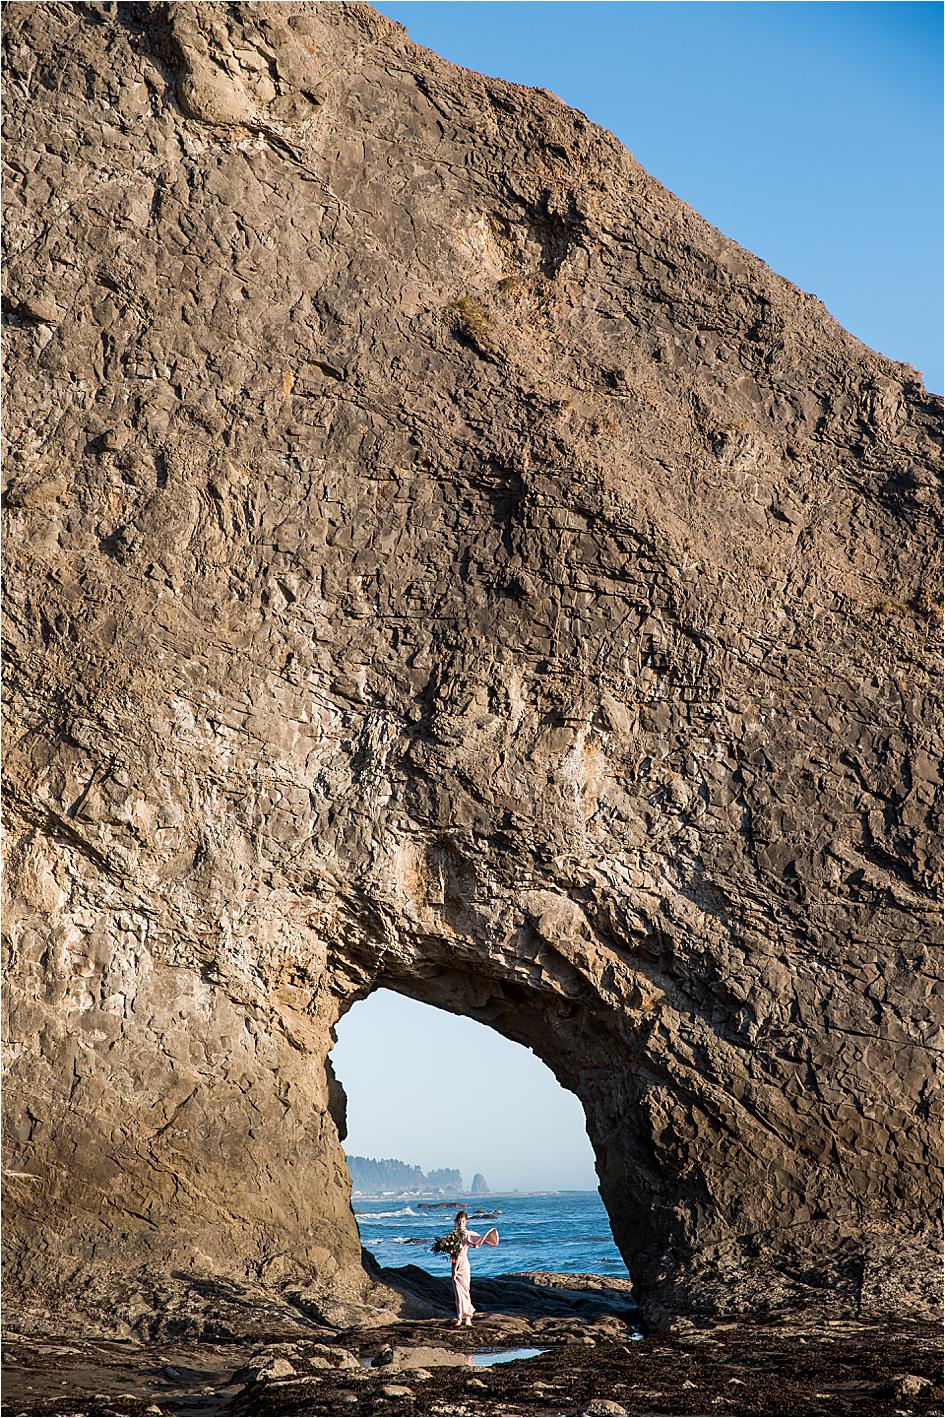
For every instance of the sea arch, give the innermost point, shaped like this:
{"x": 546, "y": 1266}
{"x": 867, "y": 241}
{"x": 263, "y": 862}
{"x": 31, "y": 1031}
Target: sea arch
{"x": 418, "y": 609}
{"x": 531, "y": 995}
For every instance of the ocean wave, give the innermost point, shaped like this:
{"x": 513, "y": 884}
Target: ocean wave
{"x": 381, "y": 1215}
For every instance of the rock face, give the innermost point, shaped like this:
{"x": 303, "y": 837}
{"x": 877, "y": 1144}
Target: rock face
{"x": 438, "y": 560}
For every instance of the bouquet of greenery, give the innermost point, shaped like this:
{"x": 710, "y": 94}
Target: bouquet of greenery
{"x": 450, "y": 1245}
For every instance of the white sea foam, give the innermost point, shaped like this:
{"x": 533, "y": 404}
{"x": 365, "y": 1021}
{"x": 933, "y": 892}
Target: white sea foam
{"x": 556, "y": 1233}
{"x": 381, "y": 1215}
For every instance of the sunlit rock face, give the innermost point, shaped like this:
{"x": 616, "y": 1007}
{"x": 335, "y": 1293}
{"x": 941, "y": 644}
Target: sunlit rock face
{"x": 438, "y": 560}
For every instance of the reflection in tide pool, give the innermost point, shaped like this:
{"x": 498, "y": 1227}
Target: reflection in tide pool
{"x": 485, "y": 1358}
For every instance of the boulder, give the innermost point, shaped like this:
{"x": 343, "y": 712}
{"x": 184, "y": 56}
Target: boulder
{"x": 421, "y": 1356}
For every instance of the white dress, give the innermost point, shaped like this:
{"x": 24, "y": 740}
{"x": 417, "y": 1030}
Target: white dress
{"x": 464, "y": 1304}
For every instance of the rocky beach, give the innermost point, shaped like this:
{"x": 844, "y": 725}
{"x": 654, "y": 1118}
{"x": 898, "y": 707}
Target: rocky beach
{"x": 591, "y": 1362}
{"x": 437, "y": 560}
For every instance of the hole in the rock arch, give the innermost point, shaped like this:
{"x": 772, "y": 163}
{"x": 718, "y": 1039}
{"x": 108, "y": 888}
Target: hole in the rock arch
{"x": 453, "y": 1099}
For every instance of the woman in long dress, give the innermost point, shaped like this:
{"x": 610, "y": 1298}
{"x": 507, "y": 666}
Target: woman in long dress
{"x": 460, "y": 1264}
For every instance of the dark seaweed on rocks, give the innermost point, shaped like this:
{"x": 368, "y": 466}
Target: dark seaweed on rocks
{"x": 589, "y": 1367}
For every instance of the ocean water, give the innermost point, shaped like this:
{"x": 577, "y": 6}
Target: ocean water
{"x": 564, "y": 1231}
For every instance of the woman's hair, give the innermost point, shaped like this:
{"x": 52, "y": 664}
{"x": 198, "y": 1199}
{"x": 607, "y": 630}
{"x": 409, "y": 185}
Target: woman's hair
{"x": 460, "y": 1215}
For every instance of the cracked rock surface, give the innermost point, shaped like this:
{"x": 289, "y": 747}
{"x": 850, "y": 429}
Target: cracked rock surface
{"x": 437, "y": 559}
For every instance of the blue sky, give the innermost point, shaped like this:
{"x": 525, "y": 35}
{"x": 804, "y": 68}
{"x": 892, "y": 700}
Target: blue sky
{"x": 438, "y": 1090}
{"x": 809, "y": 133}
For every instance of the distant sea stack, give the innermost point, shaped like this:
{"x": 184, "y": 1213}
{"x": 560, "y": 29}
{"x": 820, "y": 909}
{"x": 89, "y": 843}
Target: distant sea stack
{"x": 479, "y": 1186}
{"x": 437, "y": 560}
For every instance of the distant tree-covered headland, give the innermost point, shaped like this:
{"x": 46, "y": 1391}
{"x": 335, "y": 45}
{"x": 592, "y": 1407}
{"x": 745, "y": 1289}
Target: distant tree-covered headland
{"x": 371, "y": 1176}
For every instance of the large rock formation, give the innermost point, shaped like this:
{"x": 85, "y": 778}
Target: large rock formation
{"x": 436, "y": 559}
